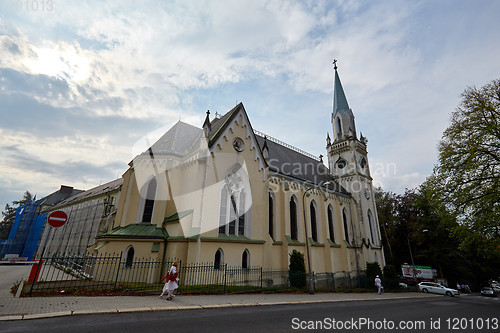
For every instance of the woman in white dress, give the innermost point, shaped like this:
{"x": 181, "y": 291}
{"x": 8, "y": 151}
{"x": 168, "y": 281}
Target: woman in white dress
{"x": 171, "y": 283}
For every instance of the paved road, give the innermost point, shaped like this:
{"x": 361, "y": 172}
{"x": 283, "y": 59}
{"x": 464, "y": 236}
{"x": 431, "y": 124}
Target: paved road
{"x": 11, "y": 274}
{"x": 422, "y": 314}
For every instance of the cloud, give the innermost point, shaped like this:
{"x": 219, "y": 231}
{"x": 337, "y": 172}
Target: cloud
{"x": 108, "y": 72}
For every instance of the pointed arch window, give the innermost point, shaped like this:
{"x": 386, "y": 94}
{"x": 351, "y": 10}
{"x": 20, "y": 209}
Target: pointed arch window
{"x": 234, "y": 203}
{"x": 245, "y": 259}
{"x": 129, "y": 258}
{"x": 219, "y": 259}
{"x": 372, "y": 228}
{"x": 271, "y": 215}
{"x": 293, "y": 218}
{"x": 339, "y": 127}
{"x": 346, "y": 229}
{"x": 314, "y": 223}
{"x": 148, "y": 194}
{"x": 330, "y": 223}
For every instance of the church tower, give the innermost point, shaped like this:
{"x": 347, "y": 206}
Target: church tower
{"x": 348, "y": 163}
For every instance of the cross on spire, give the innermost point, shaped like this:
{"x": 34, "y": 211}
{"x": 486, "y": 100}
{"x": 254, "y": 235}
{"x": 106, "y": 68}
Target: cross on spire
{"x": 334, "y": 63}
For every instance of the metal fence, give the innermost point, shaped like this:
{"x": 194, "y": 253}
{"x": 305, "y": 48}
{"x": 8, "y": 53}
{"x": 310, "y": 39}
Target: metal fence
{"x": 112, "y": 272}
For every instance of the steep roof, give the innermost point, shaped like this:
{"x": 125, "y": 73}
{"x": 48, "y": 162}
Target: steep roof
{"x": 95, "y": 191}
{"x": 56, "y": 197}
{"x": 218, "y": 124}
{"x": 181, "y": 140}
{"x": 297, "y": 165}
{"x": 184, "y": 139}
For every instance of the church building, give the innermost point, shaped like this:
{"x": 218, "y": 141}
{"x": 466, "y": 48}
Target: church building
{"x": 226, "y": 193}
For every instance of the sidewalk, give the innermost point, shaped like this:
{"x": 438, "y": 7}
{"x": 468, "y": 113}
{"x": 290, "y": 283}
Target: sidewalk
{"x": 12, "y": 308}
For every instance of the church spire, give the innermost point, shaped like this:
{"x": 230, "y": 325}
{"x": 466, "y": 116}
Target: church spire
{"x": 342, "y": 116}
{"x": 339, "y": 100}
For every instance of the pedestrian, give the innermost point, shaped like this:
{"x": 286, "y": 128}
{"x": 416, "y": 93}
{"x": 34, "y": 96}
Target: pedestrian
{"x": 378, "y": 284}
{"x": 170, "y": 284}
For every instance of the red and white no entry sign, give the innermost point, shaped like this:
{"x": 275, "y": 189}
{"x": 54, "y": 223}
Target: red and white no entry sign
{"x": 57, "y": 219}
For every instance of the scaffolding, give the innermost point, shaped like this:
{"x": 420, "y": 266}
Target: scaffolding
{"x": 25, "y": 232}
{"x": 78, "y": 232}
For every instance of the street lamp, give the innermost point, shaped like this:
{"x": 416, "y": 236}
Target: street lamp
{"x": 311, "y": 285}
{"x": 413, "y": 270}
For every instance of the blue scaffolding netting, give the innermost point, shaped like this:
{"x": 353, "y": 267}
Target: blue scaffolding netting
{"x": 25, "y": 233}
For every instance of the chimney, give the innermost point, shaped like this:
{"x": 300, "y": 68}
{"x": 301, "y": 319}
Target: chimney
{"x": 66, "y": 189}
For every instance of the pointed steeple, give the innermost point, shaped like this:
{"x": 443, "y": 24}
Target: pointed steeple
{"x": 207, "y": 126}
{"x": 339, "y": 100}
{"x": 342, "y": 116}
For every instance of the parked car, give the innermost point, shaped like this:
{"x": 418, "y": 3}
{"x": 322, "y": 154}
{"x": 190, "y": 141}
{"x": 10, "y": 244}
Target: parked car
{"x": 436, "y": 288}
{"x": 403, "y": 285}
{"x": 488, "y": 291}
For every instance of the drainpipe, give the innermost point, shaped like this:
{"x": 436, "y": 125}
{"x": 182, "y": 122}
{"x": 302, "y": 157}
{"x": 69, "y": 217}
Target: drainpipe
{"x": 162, "y": 269}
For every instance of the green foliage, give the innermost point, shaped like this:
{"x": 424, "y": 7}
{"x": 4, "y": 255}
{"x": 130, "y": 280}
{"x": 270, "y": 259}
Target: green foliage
{"x": 449, "y": 246}
{"x": 469, "y": 168}
{"x": 373, "y": 269}
{"x": 9, "y": 214}
{"x": 390, "y": 271}
{"x": 297, "y": 270}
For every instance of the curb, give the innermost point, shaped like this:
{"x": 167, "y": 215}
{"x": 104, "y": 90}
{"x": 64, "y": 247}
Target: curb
{"x": 190, "y": 307}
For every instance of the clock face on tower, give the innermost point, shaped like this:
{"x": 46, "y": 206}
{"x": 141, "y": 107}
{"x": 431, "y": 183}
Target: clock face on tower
{"x": 341, "y": 163}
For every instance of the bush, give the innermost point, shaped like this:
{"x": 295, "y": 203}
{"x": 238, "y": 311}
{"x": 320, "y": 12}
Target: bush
{"x": 297, "y": 270}
{"x": 373, "y": 269}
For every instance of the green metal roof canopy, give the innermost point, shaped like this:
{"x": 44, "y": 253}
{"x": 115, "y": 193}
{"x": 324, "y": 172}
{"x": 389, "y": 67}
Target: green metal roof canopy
{"x": 137, "y": 231}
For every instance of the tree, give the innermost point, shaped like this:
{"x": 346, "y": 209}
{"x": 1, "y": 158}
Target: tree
{"x": 297, "y": 270}
{"x": 9, "y": 214}
{"x": 373, "y": 269}
{"x": 386, "y": 205}
{"x": 469, "y": 168}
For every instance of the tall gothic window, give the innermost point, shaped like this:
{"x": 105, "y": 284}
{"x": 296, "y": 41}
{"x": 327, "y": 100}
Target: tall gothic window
{"x": 372, "y": 229}
{"x": 346, "y": 229}
{"x": 330, "y": 223}
{"x": 339, "y": 127}
{"x": 234, "y": 204}
{"x": 271, "y": 216}
{"x": 293, "y": 218}
{"x": 149, "y": 201}
{"x": 314, "y": 223}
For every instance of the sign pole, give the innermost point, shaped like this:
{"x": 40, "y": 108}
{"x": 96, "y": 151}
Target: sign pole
{"x": 41, "y": 259}
{"x": 55, "y": 219}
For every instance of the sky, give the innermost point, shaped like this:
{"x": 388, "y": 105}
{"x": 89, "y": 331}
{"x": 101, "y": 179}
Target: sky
{"x": 81, "y": 82}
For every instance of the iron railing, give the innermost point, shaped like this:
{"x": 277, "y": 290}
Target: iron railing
{"x": 113, "y": 272}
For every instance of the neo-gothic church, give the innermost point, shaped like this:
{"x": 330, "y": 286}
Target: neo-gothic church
{"x": 225, "y": 193}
